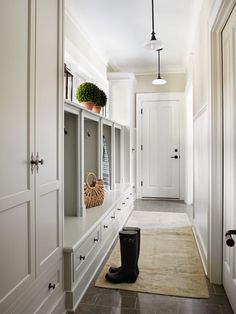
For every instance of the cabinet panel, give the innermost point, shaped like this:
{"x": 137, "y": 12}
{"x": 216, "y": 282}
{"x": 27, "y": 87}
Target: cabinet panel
{"x": 14, "y": 114}
{"x": 47, "y": 226}
{"x": 47, "y": 89}
{"x": 48, "y": 104}
{"x": 15, "y": 261}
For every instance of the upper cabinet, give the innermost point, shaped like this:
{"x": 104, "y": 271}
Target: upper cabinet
{"x": 30, "y": 135}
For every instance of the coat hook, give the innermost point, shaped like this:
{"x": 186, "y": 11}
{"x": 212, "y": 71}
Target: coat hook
{"x": 65, "y": 131}
{"x": 88, "y": 133}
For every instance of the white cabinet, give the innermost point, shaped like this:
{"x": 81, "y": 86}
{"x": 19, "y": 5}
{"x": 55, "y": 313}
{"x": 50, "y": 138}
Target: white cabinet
{"x": 30, "y": 123}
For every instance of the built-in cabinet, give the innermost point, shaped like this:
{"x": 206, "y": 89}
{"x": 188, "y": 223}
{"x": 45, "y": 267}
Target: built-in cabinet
{"x": 31, "y": 219}
{"x": 92, "y": 143}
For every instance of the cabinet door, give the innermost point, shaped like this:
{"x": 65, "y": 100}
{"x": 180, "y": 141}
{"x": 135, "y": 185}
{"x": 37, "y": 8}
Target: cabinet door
{"x": 16, "y": 144}
{"x": 49, "y": 74}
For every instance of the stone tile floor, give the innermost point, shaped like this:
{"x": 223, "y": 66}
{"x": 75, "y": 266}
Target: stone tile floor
{"x": 107, "y": 301}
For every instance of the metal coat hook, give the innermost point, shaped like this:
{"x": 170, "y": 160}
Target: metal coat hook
{"x": 65, "y": 131}
{"x": 88, "y": 133}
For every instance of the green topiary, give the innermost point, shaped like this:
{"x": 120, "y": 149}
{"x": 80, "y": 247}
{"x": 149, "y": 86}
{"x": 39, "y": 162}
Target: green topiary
{"x": 103, "y": 99}
{"x": 88, "y": 92}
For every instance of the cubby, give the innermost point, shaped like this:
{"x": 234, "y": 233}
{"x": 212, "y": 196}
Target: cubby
{"x": 71, "y": 164}
{"x": 117, "y": 157}
{"x": 107, "y": 156}
{"x": 91, "y": 146}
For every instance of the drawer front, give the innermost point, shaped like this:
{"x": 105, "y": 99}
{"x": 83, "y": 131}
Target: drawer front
{"x": 48, "y": 287}
{"x": 81, "y": 255}
{"x": 108, "y": 222}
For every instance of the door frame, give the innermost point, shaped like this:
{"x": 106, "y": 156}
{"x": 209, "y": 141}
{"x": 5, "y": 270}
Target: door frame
{"x": 218, "y": 18}
{"x": 140, "y": 97}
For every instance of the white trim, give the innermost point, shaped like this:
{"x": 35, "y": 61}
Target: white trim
{"x": 201, "y": 249}
{"x": 152, "y": 96}
{"x": 218, "y": 18}
{"x": 114, "y": 76}
{"x": 200, "y": 112}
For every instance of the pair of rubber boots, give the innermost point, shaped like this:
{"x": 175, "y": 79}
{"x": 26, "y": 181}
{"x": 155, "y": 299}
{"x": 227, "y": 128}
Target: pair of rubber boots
{"x": 129, "y": 251}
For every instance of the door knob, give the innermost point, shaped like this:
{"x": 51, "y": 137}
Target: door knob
{"x": 229, "y": 240}
{"x": 175, "y": 157}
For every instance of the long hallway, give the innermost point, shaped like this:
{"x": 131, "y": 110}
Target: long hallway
{"x": 99, "y": 300}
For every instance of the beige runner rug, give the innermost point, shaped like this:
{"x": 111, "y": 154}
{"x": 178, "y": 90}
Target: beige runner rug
{"x": 169, "y": 264}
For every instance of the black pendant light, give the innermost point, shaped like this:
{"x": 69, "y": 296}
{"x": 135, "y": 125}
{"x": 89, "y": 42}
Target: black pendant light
{"x": 159, "y": 80}
{"x": 153, "y": 44}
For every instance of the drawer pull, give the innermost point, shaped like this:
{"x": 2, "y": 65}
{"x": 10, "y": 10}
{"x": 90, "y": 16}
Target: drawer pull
{"x": 95, "y": 240}
{"x": 118, "y": 209}
{"x": 51, "y": 286}
{"x": 113, "y": 217}
{"x": 82, "y": 257}
{"x": 123, "y": 203}
{"x": 105, "y": 226}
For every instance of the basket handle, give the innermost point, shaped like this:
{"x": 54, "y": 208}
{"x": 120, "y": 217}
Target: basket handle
{"x": 94, "y": 177}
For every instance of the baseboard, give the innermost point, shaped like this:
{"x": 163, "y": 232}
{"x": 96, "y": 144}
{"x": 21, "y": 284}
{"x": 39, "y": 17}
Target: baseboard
{"x": 201, "y": 248}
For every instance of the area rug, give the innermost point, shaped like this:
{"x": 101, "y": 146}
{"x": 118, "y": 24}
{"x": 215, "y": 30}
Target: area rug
{"x": 169, "y": 264}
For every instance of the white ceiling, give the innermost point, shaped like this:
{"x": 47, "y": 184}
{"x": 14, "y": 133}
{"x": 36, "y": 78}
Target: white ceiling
{"x": 118, "y": 30}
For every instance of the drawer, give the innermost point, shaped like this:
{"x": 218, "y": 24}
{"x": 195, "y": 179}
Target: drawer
{"x": 81, "y": 255}
{"x": 49, "y": 286}
{"x": 110, "y": 219}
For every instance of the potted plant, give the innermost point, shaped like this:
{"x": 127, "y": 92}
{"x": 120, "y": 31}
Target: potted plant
{"x": 88, "y": 94}
{"x": 102, "y": 102}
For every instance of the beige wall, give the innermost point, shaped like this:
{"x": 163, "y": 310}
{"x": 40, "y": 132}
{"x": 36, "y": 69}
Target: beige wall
{"x": 175, "y": 82}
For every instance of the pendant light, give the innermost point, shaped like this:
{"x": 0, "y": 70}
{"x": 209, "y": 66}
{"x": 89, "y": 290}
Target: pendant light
{"x": 153, "y": 44}
{"x": 159, "y": 80}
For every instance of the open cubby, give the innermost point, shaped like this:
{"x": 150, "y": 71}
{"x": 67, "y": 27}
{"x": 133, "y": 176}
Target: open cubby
{"x": 91, "y": 143}
{"x": 107, "y": 134}
{"x": 70, "y": 164}
{"x": 117, "y": 155}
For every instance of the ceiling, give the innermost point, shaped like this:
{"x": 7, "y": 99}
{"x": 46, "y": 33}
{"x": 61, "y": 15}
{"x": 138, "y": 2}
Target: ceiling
{"x": 119, "y": 29}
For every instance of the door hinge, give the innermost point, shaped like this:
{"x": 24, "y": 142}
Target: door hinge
{"x": 141, "y": 183}
{"x": 141, "y": 147}
{"x": 141, "y": 111}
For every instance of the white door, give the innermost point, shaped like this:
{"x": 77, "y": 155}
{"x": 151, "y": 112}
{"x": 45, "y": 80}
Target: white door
{"x": 16, "y": 142}
{"x": 48, "y": 124}
{"x": 160, "y": 148}
{"x": 229, "y": 109}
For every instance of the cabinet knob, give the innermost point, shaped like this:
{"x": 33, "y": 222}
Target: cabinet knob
{"x": 130, "y": 193}
{"x": 51, "y": 286}
{"x": 113, "y": 217}
{"x": 95, "y": 240}
{"x": 127, "y": 198}
{"x": 82, "y": 257}
{"x": 123, "y": 203}
{"x": 118, "y": 209}
{"x": 105, "y": 226}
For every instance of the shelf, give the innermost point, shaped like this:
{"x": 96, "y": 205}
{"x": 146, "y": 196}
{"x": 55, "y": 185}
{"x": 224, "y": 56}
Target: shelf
{"x": 76, "y": 229}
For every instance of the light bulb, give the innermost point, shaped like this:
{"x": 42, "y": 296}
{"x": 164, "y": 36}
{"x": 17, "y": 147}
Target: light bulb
{"x": 159, "y": 81}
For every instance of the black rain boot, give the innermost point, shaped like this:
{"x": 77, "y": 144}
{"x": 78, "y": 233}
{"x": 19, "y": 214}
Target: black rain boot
{"x": 115, "y": 269}
{"x": 128, "y": 250}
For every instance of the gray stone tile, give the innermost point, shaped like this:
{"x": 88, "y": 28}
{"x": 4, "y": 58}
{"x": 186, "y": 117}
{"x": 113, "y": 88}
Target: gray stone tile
{"x": 157, "y": 302}
{"x": 120, "y": 310}
{"x": 116, "y": 300}
{"x": 89, "y": 298}
{"x": 226, "y": 309}
{"x": 91, "y": 309}
{"x": 218, "y": 289}
{"x": 194, "y": 308}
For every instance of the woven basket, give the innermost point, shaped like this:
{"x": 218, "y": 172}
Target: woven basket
{"x": 94, "y": 192}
